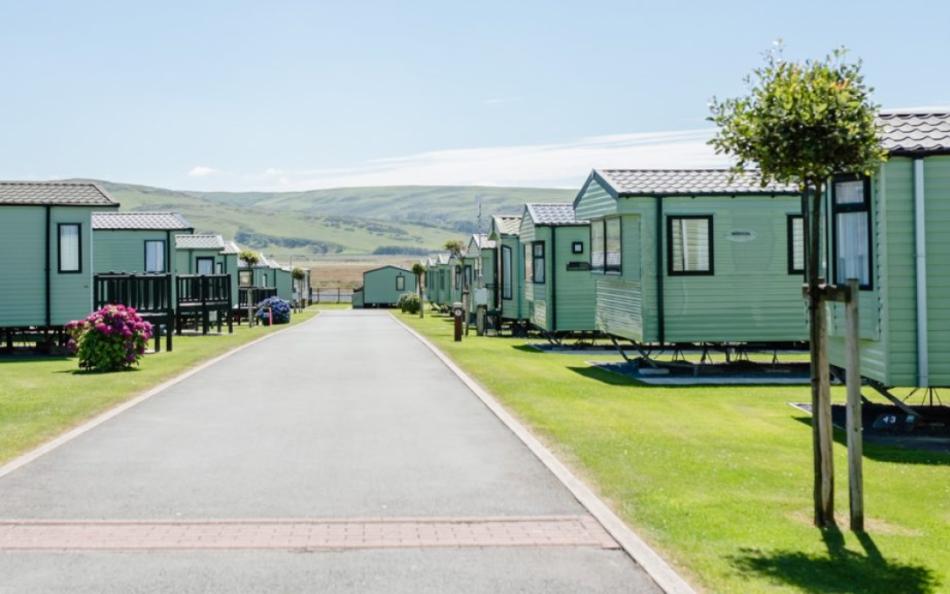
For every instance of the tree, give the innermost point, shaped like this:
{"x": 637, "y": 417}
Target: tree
{"x": 802, "y": 123}
{"x": 455, "y": 247}
{"x": 419, "y": 270}
{"x": 248, "y": 257}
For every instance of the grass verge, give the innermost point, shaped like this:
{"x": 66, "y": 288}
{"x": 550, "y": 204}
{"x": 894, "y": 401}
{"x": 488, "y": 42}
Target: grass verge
{"x": 41, "y": 397}
{"x": 719, "y": 478}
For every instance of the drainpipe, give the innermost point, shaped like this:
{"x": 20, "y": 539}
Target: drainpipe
{"x": 920, "y": 235}
{"x": 49, "y": 272}
{"x": 554, "y": 278}
{"x": 660, "y": 316}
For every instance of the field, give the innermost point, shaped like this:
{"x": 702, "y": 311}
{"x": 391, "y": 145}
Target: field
{"x": 719, "y": 478}
{"x": 405, "y": 221}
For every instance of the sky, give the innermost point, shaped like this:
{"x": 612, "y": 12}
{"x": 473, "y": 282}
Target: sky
{"x": 286, "y": 95}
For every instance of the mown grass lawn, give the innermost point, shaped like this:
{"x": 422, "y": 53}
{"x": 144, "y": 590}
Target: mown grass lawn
{"x": 41, "y": 397}
{"x": 719, "y": 478}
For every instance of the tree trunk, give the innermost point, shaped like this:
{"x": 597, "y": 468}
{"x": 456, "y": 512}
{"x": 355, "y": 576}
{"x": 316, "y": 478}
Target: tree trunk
{"x": 422, "y": 304}
{"x": 820, "y": 381}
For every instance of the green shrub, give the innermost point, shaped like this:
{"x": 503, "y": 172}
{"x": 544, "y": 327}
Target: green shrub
{"x": 109, "y": 339}
{"x": 409, "y": 303}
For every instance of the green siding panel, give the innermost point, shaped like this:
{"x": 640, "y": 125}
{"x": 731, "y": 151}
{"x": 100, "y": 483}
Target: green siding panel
{"x": 379, "y": 286}
{"x": 22, "y": 280}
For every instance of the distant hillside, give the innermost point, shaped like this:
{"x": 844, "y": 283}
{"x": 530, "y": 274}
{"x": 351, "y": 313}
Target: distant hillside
{"x": 338, "y": 222}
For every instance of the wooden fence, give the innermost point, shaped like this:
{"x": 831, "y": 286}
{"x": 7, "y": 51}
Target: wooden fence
{"x": 149, "y": 294}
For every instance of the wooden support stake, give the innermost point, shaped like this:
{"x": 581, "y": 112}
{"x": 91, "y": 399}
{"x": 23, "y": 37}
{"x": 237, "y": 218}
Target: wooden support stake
{"x": 854, "y": 429}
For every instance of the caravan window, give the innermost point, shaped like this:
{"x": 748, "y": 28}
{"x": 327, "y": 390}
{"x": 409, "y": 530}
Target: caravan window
{"x": 851, "y": 210}
{"x": 205, "y": 265}
{"x": 612, "y": 245}
{"x": 70, "y": 248}
{"x": 538, "y": 267}
{"x": 400, "y": 283}
{"x": 597, "y": 245}
{"x": 689, "y": 245}
{"x": 506, "y": 272}
{"x": 155, "y": 255}
{"x": 796, "y": 244}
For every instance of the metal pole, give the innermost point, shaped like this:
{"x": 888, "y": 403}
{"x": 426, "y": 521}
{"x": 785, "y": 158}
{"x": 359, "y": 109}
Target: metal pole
{"x": 853, "y": 423}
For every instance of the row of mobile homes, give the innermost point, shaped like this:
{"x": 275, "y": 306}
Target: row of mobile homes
{"x": 694, "y": 256}
{"x": 890, "y": 232}
{"x": 46, "y": 274}
{"x": 509, "y": 257}
{"x": 558, "y": 285}
{"x": 383, "y": 286}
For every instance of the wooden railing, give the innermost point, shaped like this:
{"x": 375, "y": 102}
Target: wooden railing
{"x": 251, "y": 296}
{"x": 193, "y": 290}
{"x": 149, "y": 294}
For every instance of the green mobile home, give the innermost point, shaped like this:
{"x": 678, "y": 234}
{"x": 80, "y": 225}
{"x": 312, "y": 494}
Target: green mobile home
{"x": 430, "y": 277}
{"x": 558, "y": 285}
{"x": 695, "y": 256}
{"x": 456, "y": 270}
{"x": 383, "y": 286}
{"x": 207, "y": 253}
{"x": 481, "y": 251}
{"x": 283, "y": 280}
{"x": 509, "y": 259}
{"x": 890, "y": 232}
{"x": 46, "y": 238}
{"x": 442, "y": 281}
{"x": 136, "y": 242}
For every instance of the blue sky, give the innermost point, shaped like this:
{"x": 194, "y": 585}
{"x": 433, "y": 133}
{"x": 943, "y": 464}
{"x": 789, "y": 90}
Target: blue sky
{"x": 293, "y": 95}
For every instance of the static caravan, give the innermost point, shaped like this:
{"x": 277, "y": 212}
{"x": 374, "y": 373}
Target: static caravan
{"x": 283, "y": 281}
{"x": 891, "y": 232}
{"x": 46, "y": 241}
{"x": 206, "y": 280}
{"x": 136, "y": 242}
{"x": 430, "y": 277}
{"x": 442, "y": 281}
{"x": 510, "y": 267}
{"x": 481, "y": 251}
{"x": 383, "y": 286}
{"x": 204, "y": 253}
{"x": 695, "y": 256}
{"x": 456, "y": 269}
{"x": 558, "y": 285}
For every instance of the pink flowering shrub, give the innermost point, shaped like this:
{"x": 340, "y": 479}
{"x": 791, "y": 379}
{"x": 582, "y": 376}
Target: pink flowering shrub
{"x": 109, "y": 339}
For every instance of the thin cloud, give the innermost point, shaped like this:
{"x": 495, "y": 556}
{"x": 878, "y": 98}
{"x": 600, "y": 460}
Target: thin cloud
{"x": 202, "y": 171}
{"x": 563, "y": 165}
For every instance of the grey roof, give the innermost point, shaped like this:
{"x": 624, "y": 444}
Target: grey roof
{"x": 443, "y": 258}
{"x": 140, "y": 220}
{"x": 915, "y": 132}
{"x": 665, "y": 182}
{"x": 552, "y": 213}
{"x": 507, "y": 224}
{"x": 54, "y": 193}
{"x": 199, "y": 241}
{"x": 481, "y": 241}
{"x": 231, "y": 248}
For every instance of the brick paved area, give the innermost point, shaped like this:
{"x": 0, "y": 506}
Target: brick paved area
{"x": 304, "y": 534}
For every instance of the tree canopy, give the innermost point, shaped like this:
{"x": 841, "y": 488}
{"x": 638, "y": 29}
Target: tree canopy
{"x": 801, "y": 122}
{"x": 248, "y": 257}
{"x": 455, "y": 247}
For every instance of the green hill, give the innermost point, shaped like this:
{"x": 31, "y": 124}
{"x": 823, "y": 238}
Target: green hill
{"x": 338, "y": 222}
